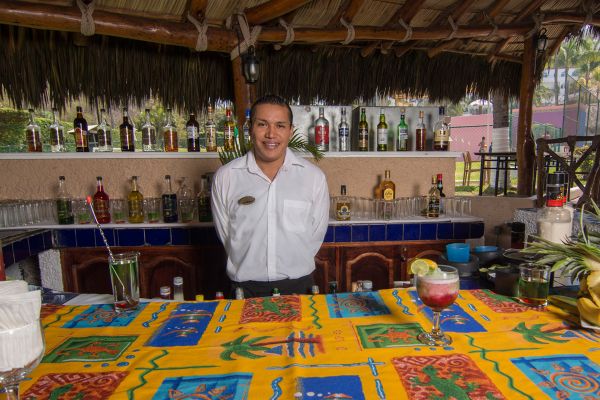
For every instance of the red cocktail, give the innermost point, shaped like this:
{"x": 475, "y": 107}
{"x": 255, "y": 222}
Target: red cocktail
{"x": 438, "y": 289}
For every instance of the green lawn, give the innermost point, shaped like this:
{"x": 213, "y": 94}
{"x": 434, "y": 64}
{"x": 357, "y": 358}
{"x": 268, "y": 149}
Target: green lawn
{"x": 473, "y": 188}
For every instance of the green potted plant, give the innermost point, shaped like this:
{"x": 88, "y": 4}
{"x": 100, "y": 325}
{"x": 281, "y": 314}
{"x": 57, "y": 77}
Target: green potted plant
{"x": 579, "y": 258}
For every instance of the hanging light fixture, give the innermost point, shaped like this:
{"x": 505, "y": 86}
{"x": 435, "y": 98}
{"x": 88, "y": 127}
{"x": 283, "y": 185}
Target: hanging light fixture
{"x": 250, "y": 65}
{"x": 542, "y": 40}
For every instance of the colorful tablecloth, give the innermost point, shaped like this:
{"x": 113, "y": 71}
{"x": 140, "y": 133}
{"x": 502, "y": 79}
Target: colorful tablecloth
{"x": 344, "y": 346}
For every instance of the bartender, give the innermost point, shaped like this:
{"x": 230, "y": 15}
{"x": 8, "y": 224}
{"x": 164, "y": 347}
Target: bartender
{"x": 270, "y": 208}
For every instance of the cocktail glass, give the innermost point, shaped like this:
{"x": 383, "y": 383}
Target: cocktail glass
{"x": 125, "y": 280}
{"x": 438, "y": 290}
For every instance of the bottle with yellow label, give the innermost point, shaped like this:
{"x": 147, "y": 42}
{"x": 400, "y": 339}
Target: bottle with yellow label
{"x": 343, "y": 206}
{"x": 135, "y": 203}
{"x": 388, "y": 188}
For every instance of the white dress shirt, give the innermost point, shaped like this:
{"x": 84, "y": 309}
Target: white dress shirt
{"x": 279, "y": 230}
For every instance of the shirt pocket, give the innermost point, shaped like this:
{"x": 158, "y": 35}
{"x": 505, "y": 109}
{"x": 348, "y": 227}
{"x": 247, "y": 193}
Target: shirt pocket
{"x": 295, "y": 215}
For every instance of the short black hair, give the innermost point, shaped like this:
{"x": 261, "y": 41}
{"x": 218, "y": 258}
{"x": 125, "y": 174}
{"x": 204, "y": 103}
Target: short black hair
{"x": 271, "y": 99}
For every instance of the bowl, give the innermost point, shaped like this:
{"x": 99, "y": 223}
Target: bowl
{"x": 457, "y": 252}
{"x": 487, "y": 254}
{"x": 465, "y": 269}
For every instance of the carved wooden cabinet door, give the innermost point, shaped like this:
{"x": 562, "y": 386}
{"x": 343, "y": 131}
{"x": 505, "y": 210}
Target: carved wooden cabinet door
{"x": 326, "y": 267}
{"x": 159, "y": 269}
{"x": 374, "y": 263}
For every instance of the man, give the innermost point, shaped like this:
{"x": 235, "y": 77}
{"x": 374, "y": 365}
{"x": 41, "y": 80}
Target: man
{"x": 270, "y": 208}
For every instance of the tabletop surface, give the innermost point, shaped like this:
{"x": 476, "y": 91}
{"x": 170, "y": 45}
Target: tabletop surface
{"x": 342, "y": 346}
{"x": 497, "y": 154}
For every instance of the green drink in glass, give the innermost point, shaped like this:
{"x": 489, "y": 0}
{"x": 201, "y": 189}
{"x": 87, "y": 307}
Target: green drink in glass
{"x": 124, "y": 278}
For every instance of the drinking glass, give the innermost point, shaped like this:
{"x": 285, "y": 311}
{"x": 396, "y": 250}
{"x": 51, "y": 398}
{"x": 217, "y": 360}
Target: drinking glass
{"x": 186, "y": 209}
{"x": 29, "y": 340}
{"x": 152, "y": 208}
{"x": 82, "y": 211}
{"x": 534, "y": 284}
{"x": 125, "y": 280}
{"x": 438, "y": 291}
{"x": 119, "y": 213}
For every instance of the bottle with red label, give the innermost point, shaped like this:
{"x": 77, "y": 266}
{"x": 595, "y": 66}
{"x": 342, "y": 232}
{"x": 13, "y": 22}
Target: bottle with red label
{"x": 101, "y": 203}
{"x": 322, "y": 131}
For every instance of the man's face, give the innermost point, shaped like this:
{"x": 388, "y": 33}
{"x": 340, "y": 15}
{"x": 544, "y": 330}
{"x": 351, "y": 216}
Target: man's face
{"x": 271, "y": 131}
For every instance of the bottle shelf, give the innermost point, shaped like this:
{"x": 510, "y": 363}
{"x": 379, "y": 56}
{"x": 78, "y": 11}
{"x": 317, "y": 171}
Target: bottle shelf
{"x": 186, "y": 155}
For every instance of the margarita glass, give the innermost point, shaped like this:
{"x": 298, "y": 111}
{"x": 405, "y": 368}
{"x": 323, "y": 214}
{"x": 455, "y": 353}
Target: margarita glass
{"x": 437, "y": 290}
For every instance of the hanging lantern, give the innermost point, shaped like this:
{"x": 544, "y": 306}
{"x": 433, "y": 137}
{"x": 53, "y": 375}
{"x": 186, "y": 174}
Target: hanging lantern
{"x": 250, "y": 65}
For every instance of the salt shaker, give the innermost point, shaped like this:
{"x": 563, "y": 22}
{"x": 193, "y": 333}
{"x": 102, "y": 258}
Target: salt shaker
{"x": 178, "y": 288}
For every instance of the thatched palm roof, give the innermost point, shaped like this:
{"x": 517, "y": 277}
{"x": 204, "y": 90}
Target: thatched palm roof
{"x": 439, "y": 48}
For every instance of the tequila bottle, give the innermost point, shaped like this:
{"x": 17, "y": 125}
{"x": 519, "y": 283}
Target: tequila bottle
{"x": 343, "y": 133}
{"x": 210, "y": 130}
{"x": 169, "y": 202}
{"x": 402, "y": 143}
{"x": 363, "y": 132}
{"x": 33, "y": 135}
{"x": 228, "y": 131}
{"x": 103, "y": 132}
{"x": 101, "y": 203}
{"x": 343, "y": 208}
{"x": 204, "y": 208}
{"x": 382, "y": 133}
{"x": 421, "y": 133}
{"x": 192, "y": 128}
{"x": 388, "y": 188}
{"x": 322, "y": 131}
{"x": 64, "y": 205}
{"x": 433, "y": 200}
{"x": 441, "y": 132}
{"x": 57, "y": 134}
{"x": 170, "y": 134}
{"x": 127, "y": 133}
{"x": 149, "y": 138}
{"x": 80, "y": 128}
{"x": 135, "y": 203}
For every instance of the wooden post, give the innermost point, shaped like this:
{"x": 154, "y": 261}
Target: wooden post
{"x": 244, "y": 93}
{"x": 525, "y": 144}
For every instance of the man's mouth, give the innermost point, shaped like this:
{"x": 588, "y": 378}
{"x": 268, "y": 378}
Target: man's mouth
{"x": 271, "y": 145}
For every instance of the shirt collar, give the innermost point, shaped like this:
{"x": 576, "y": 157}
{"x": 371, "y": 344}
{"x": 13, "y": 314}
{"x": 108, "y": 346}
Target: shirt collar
{"x": 250, "y": 164}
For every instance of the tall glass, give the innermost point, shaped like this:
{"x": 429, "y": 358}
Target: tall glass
{"x": 438, "y": 290}
{"x": 125, "y": 280}
{"x": 27, "y": 344}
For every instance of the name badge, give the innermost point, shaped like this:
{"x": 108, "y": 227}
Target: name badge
{"x": 246, "y": 200}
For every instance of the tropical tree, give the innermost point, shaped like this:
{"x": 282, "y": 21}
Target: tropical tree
{"x": 588, "y": 59}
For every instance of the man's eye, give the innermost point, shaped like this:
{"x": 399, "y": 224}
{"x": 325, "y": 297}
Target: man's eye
{"x": 281, "y": 126}
{"x": 261, "y": 124}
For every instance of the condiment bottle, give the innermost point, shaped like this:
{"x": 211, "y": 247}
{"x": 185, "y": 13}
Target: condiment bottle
{"x": 554, "y": 222}
{"x": 178, "y": 288}
{"x": 165, "y": 292}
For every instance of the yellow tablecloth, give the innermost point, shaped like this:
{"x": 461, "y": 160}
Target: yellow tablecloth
{"x": 344, "y": 346}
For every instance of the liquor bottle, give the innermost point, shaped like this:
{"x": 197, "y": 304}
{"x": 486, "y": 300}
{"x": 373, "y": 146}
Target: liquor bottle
{"x": 204, "y": 207}
{"x": 33, "y": 135}
{"x": 440, "y": 185}
{"x": 178, "y": 288}
{"x": 421, "y": 133}
{"x": 186, "y": 202}
{"x": 149, "y": 138}
{"x": 92, "y": 139}
{"x": 169, "y": 132}
{"x": 169, "y": 202}
{"x": 101, "y": 203}
{"x": 382, "y": 133}
{"x": 322, "y": 131}
{"x": 192, "y": 128}
{"x": 64, "y": 206}
{"x": 343, "y": 133}
{"x": 342, "y": 206}
{"x": 210, "y": 130}
{"x": 57, "y": 134}
{"x": 363, "y": 132}
{"x": 135, "y": 203}
{"x": 402, "y": 144}
{"x": 441, "y": 133}
{"x": 554, "y": 221}
{"x": 127, "y": 133}
{"x": 103, "y": 133}
{"x": 388, "y": 188}
{"x": 433, "y": 200}
{"x": 246, "y": 128}
{"x": 228, "y": 131}
{"x": 80, "y": 127}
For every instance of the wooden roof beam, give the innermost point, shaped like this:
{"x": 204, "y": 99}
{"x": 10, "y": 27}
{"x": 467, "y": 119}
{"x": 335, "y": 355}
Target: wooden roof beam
{"x": 348, "y": 11}
{"x": 271, "y": 10}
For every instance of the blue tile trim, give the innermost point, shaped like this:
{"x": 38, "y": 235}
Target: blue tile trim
{"x": 158, "y": 236}
{"x": 36, "y": 244}
{"x": 395, "y": 232}
{"x": 343, "y": 233}
{"x": 66, "y": 238}
{"x": 48, "y": 243}
{"x": 108, "y": 233}
{"x": 360, "y": 233}
{"x": 376, "y": 233}
{"x": 21, "y": 250}
{"x": 8, "y": 255}
{"x": 329, "y": 237}
{"x": 445, "y": 230}
{"x": 130, "y": 237}
{"x": 428, "y": 231}
{"x": 461, "y": 230}
{"x": 180, "y": 236}
{"x": 477, "y": 230}
{"x": 85, "y": 238}
{"x": 412, "y": 231}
